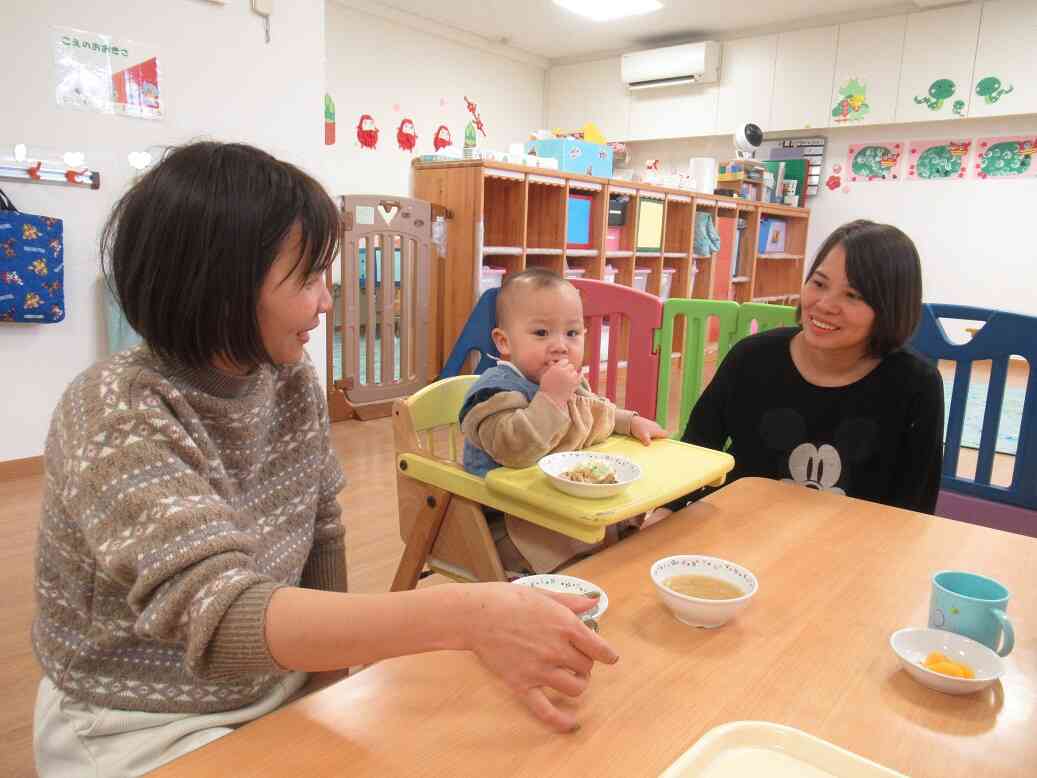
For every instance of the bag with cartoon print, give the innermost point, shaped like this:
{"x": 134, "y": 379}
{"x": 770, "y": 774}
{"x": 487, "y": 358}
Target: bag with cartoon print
{"x": 32, "y": 263}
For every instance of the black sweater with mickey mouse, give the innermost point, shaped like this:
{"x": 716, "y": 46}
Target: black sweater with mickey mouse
{"x": 879, "y": 439}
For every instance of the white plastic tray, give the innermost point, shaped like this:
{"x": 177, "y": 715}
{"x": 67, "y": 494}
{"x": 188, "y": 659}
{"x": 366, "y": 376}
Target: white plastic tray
{"x": 760, "y": 748}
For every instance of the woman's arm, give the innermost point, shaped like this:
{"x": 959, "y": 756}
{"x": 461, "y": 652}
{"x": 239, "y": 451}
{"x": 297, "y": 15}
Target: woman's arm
{"x": 917, "y": 483}
{"x": 532, "y": 640}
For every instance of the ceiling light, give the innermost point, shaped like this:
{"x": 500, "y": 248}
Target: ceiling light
{"x": 607, "y": 10}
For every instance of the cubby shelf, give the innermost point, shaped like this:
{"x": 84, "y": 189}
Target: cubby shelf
{"x": 513, "y": 217}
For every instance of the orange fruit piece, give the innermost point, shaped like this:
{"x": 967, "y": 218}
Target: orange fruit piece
{"x": 934, "y": 658}
{"x": 948, "y": 668}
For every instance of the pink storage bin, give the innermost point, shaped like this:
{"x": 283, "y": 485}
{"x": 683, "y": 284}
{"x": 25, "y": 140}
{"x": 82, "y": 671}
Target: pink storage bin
{"x": 490, "y": 278}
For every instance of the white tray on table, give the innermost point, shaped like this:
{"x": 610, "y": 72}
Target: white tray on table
{"x": 760, "y": 748}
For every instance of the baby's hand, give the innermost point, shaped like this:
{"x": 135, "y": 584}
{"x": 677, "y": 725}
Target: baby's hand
{"x": 645, "y": 429}
{"x": 560, "y": 381}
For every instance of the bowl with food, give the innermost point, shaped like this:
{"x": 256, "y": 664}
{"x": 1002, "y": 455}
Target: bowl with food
{"x": 702, "y": 591}
{"x": 589, "y": 474}
{"x": 569, "y": 584}
{"x": 946, "y": 661}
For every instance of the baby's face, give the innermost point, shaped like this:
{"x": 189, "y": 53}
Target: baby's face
{"x": 543, "y": 327}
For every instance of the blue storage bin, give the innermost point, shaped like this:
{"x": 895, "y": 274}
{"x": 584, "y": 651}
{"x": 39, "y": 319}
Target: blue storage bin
{"x": 575, "y": 156}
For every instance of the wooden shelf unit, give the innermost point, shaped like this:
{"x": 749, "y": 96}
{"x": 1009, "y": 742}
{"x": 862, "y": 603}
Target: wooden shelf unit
{"x": 514, "y": 217}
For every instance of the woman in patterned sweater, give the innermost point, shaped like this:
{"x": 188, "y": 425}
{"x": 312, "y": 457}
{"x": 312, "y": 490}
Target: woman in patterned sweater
{"x": 191, "y": 560}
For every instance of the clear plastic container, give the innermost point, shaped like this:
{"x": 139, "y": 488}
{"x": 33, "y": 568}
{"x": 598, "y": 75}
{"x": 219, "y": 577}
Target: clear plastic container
{"x": 610, "y": 274}
{"x": 490, "y": 278}
{"x": 667, "y": 282}
{"x": 641, "y": 278}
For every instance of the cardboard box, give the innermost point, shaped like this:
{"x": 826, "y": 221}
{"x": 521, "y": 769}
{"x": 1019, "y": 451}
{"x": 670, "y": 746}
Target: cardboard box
{"x": 575, "y": 156}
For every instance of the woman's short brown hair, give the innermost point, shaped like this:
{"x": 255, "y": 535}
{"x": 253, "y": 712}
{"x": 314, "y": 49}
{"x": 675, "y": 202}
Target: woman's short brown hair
{"x": 186, "y": 249}
{"x": 882, "y": 264}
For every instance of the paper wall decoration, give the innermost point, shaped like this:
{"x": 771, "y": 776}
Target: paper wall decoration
{"x": 329, "y": 121}
{"x": 938, "y": 160}
{"x": 367, "y": 132}
{"x": 97, "y": 72}
{"x": 406, "y": 135}
{"x": 442, "y": 138}
{"x": 990, "y": 89}
{"x": 853, "y": 106}
{"x": 940, "y": 91}
{"x": 473, "y": 109}
{"x": 1006, "y": 157}
{"x": 874, "y": 162}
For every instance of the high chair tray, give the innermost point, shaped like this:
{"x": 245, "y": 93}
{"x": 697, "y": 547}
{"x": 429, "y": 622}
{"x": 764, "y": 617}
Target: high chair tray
{"x": 751, "y": 748}
{"x": 669, "y": 469}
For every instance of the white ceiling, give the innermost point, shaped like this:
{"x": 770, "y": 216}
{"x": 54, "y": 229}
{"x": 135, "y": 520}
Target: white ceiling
{"x": 541, "y": 28}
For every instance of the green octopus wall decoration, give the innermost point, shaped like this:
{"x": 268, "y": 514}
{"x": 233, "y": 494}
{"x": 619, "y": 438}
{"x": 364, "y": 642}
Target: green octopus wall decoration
{"x": 939, "y": 90}
{"x": 990, "y": 89}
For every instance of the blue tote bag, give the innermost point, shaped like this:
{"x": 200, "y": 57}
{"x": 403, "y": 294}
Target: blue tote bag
{"x": 32, "y": 265}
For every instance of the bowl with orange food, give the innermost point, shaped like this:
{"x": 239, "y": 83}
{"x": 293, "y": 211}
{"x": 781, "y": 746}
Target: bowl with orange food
{"x": 946, "y": 661}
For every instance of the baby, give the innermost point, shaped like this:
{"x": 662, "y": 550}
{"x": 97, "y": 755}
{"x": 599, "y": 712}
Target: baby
{"x": 535, "y": 402}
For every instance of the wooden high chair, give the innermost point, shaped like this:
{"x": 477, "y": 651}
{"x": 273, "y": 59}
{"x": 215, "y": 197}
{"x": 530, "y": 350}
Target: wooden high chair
{"x": 441, "y": 516}
{"x": 440, "y": 527}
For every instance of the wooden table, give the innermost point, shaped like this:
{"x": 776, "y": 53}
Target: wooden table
{"x": 837, "y": 577}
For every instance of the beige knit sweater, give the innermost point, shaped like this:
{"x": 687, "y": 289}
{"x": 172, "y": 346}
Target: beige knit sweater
{"x": 176, "y": 503}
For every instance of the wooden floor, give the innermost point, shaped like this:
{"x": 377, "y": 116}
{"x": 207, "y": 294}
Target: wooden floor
{"x": 373, "y": 543}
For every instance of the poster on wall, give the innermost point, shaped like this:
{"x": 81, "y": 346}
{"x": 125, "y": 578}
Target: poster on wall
{"x": 938, "y": 160}
{"x": 96, "y": 72}
{"x": 1005, "y": 157}
{"x": 874, "y": 162}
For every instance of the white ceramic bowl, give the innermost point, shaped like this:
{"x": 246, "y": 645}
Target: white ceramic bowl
{"x": 912, "y": 646}
{"x": 553, "y": 465}
{"x": 568, "y": 584}
{"x": 696, "y": 611}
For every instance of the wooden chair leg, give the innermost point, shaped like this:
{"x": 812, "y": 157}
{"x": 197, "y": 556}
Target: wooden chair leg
{"x": 482, "y": 553}
{"x": 421, "y": 539}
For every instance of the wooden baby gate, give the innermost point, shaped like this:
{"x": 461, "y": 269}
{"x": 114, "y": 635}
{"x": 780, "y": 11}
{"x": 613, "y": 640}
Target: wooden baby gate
{"x": 379, "y": 330}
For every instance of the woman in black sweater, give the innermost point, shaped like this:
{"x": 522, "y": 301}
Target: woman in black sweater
{"x": 837, "y": 404}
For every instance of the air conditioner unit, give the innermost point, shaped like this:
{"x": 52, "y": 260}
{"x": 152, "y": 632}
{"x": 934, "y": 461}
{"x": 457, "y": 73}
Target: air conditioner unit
{"x": 689, "y": 63}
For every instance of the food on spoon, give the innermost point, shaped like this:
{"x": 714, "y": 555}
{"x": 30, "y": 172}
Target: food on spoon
{"x": 939, "y": 663}
{"x": 591, "y": 471}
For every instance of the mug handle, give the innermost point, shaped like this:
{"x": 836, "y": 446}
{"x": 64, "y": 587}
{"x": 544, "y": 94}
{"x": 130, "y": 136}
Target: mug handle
{"x": 1008, "y": 643}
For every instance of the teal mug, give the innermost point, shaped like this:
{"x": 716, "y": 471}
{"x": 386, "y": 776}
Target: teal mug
{"x": 974, "y": 606}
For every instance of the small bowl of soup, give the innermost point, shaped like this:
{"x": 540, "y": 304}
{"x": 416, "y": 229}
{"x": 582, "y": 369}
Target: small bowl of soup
{"x": 703, "y": 591}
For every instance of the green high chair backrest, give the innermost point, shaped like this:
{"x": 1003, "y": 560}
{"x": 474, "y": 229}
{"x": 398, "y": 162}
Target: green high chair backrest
{"x": 766, "y": 316}
{"x": 696, "y": 316}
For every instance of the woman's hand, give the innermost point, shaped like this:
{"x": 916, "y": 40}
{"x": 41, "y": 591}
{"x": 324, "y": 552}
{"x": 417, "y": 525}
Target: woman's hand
{"x": 534, "y": 641}
{"x": 645, "y": 429}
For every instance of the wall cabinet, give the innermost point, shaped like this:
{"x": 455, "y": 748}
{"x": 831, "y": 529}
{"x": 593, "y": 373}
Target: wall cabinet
{"x": 746, "y": 82}
{"x": 970, "y": 60}
{"x": 1004, "y": 79}
{"x": 939, "y": 51}
{"x": 673, "y": 112}
{"x": 803, "y": 72}
{"x": 867, "y": 72}
{"x": 589, "y": 92}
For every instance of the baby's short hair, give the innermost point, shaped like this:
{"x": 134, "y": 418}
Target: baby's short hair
{"x": 533, "y": 279}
